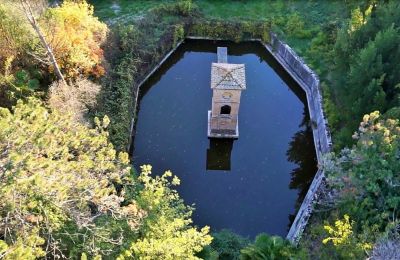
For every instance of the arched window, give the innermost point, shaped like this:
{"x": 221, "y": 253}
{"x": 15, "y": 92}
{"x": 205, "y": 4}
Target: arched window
{"x": 225, "y": 110}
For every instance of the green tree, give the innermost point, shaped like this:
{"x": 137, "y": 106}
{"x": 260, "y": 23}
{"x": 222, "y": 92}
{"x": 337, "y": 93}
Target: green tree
{"x": 366, "y": 176}
{"x": 16, "y": 40}
{"x": 366, "y": 74}
{"x": 225, "y": 245}
{"x": 66, "y": 191}
{"x": 168, "y": 234}
{"x": 58, "y": 179}
{"x": 14, "y": 36}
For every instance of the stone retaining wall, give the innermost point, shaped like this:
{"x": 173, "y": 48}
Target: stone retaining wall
{"x": 309, "y": 81}
{"x": 137, "y": 89}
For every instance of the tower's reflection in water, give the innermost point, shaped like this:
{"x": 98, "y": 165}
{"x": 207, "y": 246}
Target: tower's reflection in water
{"x": 219, "y": 154}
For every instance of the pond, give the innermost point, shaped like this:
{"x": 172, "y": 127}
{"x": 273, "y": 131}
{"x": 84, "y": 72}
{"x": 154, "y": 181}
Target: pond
{"x": 250, "y": 185}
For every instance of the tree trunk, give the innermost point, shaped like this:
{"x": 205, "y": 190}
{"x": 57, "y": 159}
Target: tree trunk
{"x": 49, "y": 52}
{"x": 31, "y": 18}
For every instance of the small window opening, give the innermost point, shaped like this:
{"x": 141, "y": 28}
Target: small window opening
{"x": 225, "y": 110}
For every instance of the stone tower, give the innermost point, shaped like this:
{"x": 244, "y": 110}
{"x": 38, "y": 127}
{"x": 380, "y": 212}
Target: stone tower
{"x": 227, "y": 82}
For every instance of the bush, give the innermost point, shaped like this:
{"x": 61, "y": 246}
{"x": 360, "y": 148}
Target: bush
{"x": 117, "y": 99}
{"x": 366, "y": 173}
{"x": 295, "y": 26}
{"x": 77, "y": 99}
{"x": 183, "y": 8}
{"x": 345, "y": 243}
{"x": 179, "y": 34}
{"x": 60, "y": 181}
{"x": 15, "y": 36}
{"x": 364, "y": 179}
{"x": 141, "y": 46}
{"x": 226, "y": 245}
{"x": 271, "y": 247}
{"x": 67, "y": 193}
{"x": 167, "y": 231}
{"x": 75, "y": 36}
{"x": 231, "y": 30}
{"x": 19, "y": 84}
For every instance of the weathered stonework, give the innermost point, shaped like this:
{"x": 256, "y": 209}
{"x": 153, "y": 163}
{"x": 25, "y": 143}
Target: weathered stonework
{"x": 227, "y": 82}
{"x": 309, "y": 82}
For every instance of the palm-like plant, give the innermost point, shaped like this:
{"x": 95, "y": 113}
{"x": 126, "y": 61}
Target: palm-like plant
{"x": 271, "y": 247}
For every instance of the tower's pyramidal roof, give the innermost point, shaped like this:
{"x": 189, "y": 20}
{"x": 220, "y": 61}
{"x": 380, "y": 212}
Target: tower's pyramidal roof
{"x": 228, "y": 76}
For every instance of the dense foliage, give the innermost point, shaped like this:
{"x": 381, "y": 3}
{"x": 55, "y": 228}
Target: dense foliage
{"x": 362, "y": 180}
{"x": 75, "y": 36}
{"x": 369, "y": 173}
{"x": 365, "y": 182}
{"x": 15, "y": 40}
{"x": 271, "y": 247}
{"x": 72, "y": 33}
{"x": 231, "y": 30}
{"x": 14, "y": 35}
{"x": 167, "y": 230}
{"x": 225, "y": 245}
{"x": 228, "y": 245}
{"x": 58, "y": 179}
{"x": 365, "y": 76}
{"x": 66, "y": 191}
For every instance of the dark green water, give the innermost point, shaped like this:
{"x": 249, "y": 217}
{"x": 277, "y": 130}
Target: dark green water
{"x": 250, "y": 185}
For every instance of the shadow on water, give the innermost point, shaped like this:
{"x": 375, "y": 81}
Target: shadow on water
{"x": 250, "y": 185}
{"x": 303, "y": 175}
{"x": 219, "y": 154}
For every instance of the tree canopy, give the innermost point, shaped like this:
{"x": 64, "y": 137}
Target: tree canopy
{"x": 71, "y": 31}
{"x": 365, "y": 73}
{"x": 369, "y": 172}
{"x": 75, "y": 36}
{"x": 66, "y": 191}
{"x": 365, "y": 180}
{"x": 57, "y": 178}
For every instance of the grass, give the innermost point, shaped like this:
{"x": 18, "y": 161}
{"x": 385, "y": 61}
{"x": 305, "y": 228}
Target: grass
{"x": 314, "y": 11}
{"x": 315, "y": 14}
{"x": 117, "y": 10}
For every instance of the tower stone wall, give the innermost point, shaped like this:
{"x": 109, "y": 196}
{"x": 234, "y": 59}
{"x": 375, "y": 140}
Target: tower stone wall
{"x": 227, "y": 83}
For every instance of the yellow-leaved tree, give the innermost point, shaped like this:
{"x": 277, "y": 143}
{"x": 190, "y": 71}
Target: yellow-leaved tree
{"x": 66, "y": 193}
{"x": 167, "y": 229}
{"x": 58, "y": 182}
{"x": 75, "y": 36}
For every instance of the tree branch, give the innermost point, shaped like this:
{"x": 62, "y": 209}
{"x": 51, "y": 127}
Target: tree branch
{"x": 26, "y": 7}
